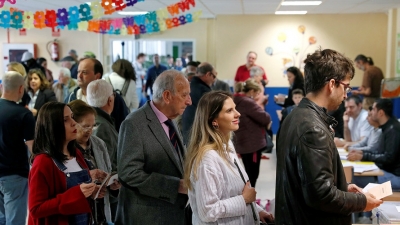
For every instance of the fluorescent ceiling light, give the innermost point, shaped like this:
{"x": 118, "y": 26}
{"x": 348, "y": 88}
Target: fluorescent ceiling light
{"x": 301, "y": 3}
{"x": 127, "y": 13}
{"x": 290, "y": 12}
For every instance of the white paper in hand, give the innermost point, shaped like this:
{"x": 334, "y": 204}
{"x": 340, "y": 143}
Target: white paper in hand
{"x": 112, "y": 178}
{"x": 379, "y": 190}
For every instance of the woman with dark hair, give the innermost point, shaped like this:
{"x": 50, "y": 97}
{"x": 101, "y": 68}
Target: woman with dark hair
{"x": 217, "y": 188}
{"x": 372, "y": 80}
{"x": 49, "y": 74}
{"x": 123, "y": 79}
{"x": 296, "y": 81}
{"x": 94, "y": 151}
{"x": 59, "y": 180}
{"x": 37, "y": 87}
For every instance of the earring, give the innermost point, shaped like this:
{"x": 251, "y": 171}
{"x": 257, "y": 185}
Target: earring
{"x": 215, "y": 125}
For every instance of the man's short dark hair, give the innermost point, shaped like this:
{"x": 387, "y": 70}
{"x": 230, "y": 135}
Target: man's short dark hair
{"x": 204, "y": 69}
{"x": 355, "y": 98}
{"x": 98, "y": 67}
{"x": 140, "y": 55}
{"x": 386, "y": 105}
{"x": 324, "y": 65}
{"x": 193, "y": 63}
{"x": 298, "y": 92}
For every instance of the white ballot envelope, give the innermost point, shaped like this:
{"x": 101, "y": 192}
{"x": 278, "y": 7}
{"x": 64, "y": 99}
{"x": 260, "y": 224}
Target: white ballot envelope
{"x": 379, "y": 190}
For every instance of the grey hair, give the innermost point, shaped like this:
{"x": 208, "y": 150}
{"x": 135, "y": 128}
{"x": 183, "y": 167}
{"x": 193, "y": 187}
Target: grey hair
{"x": 66, "y": 72}
{"x": 165, "y": 82}
{"x": 256, "y": 71}
{"x": 98, "y": 92}
{"x": 12, "y": 81}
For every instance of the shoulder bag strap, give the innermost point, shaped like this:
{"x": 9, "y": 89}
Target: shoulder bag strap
{"x": 251, "y": 204}
{"x": 125, "y": 87}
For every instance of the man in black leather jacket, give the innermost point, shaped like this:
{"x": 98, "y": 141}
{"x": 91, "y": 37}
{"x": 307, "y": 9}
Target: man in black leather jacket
{"x": 311, "y": 186}
{"x": 387, "y": 157}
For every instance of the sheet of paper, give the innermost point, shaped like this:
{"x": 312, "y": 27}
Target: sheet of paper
{"x": 381, "y": 190}
{"x": 343, "y": 157}
{"x": 112, "y": 178}
{"x": 364, "y": 168}
{"x": 106, "y": 181}
{"x": 398, "y": 208}
{"x": 369, "y": 186}
{"x": 341, "y": 150}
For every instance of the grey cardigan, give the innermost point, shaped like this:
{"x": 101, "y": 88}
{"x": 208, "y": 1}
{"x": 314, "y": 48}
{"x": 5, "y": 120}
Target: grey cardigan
{"x": 103, "y": 163}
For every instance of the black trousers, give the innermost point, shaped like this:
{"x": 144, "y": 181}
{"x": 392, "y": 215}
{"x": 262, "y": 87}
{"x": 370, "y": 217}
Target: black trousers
{"x": 251, "y": 162}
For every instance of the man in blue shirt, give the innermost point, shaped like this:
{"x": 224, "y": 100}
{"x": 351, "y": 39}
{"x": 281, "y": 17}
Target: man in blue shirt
{"x": 153, "y": 72}
{"x": 17, "y": 128}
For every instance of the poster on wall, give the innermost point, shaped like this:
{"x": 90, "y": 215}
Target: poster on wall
{"x": 13, "y": 52}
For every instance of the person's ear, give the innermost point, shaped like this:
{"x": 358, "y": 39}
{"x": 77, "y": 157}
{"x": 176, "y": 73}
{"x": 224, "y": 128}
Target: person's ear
{"x": 331, "y": 85}
{"x": 98, "y": 76}
{"x": 21, "y": 89}
{"x": 167, "y": 96}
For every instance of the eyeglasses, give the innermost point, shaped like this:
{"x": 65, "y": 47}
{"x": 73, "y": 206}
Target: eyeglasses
{"x": 347, "y": 87}
{"x": 88, "y": 128}
{"x": 214, "y": 76}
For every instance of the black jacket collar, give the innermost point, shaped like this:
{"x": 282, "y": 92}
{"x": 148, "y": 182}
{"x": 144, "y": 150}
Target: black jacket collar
{"x": 321, "y": 111}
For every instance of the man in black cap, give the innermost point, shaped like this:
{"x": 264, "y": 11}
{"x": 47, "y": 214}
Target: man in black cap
{"x": 70, "y": 63}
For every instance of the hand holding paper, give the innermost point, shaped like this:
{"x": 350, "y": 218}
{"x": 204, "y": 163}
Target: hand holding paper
{"x": 379, "y": 190}
{"x": 106, "y": 182}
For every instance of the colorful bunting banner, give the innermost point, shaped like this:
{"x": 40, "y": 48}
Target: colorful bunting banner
{"x": 10, "y": 1}
{"x": 86, "y": 17}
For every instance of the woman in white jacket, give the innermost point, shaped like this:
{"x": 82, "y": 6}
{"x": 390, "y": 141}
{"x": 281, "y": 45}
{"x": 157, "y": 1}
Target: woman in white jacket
{"x": 217, "y": 188}
{"x": 123, "y": 78}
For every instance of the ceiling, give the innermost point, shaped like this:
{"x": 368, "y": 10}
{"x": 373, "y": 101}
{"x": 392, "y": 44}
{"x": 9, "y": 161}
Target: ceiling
{"x": 213, "y": 8}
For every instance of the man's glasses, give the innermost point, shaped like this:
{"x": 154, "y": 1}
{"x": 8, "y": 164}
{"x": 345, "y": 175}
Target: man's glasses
{"x": 87, "y": 128}
{"x": 214, "y": 76}
{"x": 347, "y": 87}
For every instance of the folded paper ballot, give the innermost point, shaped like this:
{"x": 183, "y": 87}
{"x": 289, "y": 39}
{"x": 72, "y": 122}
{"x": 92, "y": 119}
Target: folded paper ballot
{"x": 379, "y": 190}
{"x": 108, "y": 180}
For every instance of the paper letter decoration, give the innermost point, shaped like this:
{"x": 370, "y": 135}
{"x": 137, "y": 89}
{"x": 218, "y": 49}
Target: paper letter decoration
{"x": 39, "y": 20}
{"x": 51, "y": 18}
{"x": 16, "y": 19}
{"x": 5, "y": 19}
{"x": 86, "y": 14}
{"x": 28, "y": 20}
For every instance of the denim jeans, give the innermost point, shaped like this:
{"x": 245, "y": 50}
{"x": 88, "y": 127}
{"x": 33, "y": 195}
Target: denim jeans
{"x": 13, "y": 200}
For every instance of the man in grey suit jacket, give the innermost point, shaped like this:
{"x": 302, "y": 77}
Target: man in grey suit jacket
{"x": 150, "y": 167}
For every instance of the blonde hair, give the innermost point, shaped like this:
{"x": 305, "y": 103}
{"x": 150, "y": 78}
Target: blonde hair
{"x": 204, "y": 137}
{"x": 17, "y": 67}
{"x": 248, "y": 85}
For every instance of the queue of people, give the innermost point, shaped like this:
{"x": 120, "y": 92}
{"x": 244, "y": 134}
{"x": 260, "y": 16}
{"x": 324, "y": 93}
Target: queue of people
{"x": 191, "y": 154}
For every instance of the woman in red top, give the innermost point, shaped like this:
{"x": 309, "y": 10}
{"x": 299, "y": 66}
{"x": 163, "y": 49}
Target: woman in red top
{"x": 59, "y": 181}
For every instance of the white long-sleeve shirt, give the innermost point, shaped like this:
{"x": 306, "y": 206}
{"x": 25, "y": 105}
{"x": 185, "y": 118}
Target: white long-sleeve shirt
{"x": 216, "y": 195}
{"x": 131, "y": 98}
